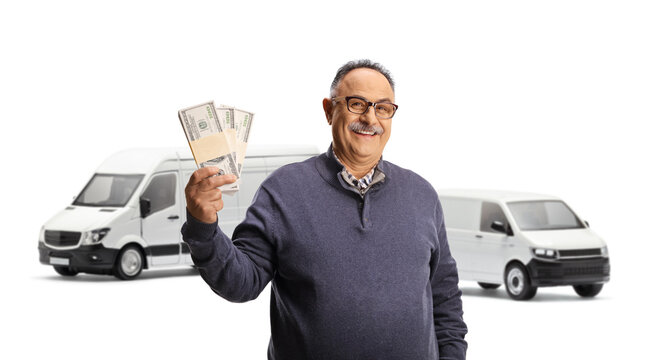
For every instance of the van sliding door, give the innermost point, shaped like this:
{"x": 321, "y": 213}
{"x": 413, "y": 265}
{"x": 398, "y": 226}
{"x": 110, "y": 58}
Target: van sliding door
{"x": 161, "y": 227}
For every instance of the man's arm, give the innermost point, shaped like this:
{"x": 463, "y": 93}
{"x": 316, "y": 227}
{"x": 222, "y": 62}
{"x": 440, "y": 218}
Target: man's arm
{"x": 447, "y": 299}
{"x": 236, "y": 271}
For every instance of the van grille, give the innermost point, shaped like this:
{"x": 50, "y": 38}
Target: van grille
{"x": 587, "y": 270}
{"x": 579, "y": 253}
{"x": 62, "y": 238}
{"x": 572, "y": 268}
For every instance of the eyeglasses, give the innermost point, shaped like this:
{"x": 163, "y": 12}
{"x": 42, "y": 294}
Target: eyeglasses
{"x": 359, "y": 105}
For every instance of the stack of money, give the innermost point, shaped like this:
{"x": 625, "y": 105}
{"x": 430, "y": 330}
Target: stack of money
{"x": 218, "y": 136}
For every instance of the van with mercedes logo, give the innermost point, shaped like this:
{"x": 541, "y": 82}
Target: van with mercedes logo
{"x": 128, "y": 216}
{"x": 523, "y": 241}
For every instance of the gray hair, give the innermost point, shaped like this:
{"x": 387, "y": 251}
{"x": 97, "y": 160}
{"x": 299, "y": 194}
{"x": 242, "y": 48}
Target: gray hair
{"x": 357, "y": 64}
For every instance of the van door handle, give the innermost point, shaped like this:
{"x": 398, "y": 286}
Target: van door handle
{"x": 478, "y": 236}
{"x": 173, "y": 217}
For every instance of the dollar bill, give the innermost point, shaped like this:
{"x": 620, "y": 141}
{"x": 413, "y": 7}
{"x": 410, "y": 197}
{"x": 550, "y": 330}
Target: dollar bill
{"x": 226, "y": 114}
{"x": 209, "y": 141}
{"x": 226, "y": 117}
{"x": 242, "y": 124}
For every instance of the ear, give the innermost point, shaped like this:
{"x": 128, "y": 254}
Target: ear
{"x": 327, "y": 108}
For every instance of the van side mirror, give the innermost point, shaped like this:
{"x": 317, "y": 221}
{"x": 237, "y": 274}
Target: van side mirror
{"x": 586, "y": 223}
{"x": 502, "y": 228}
{"x": 144, "y": 207}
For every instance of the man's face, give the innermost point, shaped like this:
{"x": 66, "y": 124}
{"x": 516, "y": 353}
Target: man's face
{"x": 351, "y": 133}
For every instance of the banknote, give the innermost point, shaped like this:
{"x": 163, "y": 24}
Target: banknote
{"x": 210, "y": 144}
{"x": 242, "y": 124}
{"x": 226, "y": 117}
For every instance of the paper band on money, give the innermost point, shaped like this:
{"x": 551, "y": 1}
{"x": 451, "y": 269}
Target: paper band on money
{"x": 211, "y": 147}
{"x": 210, "y": 144}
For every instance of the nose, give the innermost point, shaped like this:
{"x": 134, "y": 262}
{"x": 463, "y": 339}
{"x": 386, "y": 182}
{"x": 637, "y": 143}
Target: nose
{"x": 369, "y": 116}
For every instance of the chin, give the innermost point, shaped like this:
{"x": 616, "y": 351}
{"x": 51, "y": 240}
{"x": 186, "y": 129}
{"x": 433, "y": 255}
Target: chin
{"x": 364, "y": 152}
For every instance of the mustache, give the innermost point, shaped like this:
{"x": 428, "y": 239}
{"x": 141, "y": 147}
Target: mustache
{"x": 360, "y": 126}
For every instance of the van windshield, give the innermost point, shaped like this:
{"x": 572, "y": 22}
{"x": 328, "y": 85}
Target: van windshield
{"x": 543, "y": 215}
{"x": 108, "y": 190}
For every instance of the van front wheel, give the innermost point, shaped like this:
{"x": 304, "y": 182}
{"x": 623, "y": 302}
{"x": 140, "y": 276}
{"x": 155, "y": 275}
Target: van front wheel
{"x": 129, "y": 263}
{"x": 518, "y": 284}
{"x": 588, "y": 290}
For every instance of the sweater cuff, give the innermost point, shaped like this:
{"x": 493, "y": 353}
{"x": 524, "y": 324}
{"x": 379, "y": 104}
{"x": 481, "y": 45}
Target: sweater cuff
{"x": 195, "y": 230}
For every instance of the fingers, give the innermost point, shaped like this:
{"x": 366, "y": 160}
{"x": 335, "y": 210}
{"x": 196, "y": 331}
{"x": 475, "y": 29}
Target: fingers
{"x": 213, "y": 182}
{"x": 202, "y": 174}
{"x": 203, "y": 196}
{"x": 204, "y": 205}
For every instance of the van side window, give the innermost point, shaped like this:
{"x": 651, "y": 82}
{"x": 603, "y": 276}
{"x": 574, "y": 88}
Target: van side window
{"x": 161, "y": 192}
{"x": 461, "y": 214}
{"x": 491, "y": 212}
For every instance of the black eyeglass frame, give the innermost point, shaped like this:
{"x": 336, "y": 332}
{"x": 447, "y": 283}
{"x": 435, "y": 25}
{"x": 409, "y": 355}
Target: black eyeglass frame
{"x": 369, "y": 104}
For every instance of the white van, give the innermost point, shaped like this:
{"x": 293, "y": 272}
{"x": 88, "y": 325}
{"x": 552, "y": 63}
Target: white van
{"x": 129, "y": 215}
{"x": 524, "y": 241}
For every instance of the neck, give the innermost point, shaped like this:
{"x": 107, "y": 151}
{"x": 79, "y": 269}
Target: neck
{"x": 357, "y": 167}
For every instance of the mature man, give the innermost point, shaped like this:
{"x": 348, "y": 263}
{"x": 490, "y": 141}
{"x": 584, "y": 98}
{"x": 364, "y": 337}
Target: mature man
{"x": 355, "y": 246}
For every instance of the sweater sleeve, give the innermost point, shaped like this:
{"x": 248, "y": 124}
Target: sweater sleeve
{"x": 447, "y": 299}
{"x": 236, "y": 270}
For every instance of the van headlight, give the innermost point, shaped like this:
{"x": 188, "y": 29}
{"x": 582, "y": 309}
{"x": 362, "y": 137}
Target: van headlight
{"x": 604, "y": 252}
{"x": 545, "y": 253}
{"x": 94, "y": 237}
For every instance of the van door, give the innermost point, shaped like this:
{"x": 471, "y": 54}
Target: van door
{"x": 161, "y": 227}
{"x": 462, "y": 218}
{"x": 493, "y": 246}
{"x": 236, "y": 205}
{"x": 188, "y": 168}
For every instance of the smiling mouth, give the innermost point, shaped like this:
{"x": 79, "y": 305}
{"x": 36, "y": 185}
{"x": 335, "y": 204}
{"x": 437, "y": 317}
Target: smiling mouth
{"x": 363, "y": 132}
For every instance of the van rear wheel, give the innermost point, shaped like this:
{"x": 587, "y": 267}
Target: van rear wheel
{"x": 588, "y": 290}
{"x": 129, "y": 263}
{"x": 517, "y": 282}
{"x": 488, "y": 286}
{"x": 65, "y": 271}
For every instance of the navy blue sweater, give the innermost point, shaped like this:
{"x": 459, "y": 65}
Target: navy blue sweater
{"x": 352, "y": 277}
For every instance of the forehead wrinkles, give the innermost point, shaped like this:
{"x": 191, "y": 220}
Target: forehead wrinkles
{"x": 367, "y": 83}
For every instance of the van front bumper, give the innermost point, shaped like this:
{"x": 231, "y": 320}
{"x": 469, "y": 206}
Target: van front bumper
{"x": 569, "y": 272}
{"x": 89, "y": 258}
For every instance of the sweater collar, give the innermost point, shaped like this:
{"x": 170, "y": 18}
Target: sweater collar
{"x": 329, "y": 168}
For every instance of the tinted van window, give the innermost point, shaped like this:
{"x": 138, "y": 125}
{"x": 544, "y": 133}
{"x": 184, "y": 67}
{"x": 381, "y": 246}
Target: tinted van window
{"x": 491, "y": 212}
{"x": 544, "y": 215}
{"x": 161, "y": 192}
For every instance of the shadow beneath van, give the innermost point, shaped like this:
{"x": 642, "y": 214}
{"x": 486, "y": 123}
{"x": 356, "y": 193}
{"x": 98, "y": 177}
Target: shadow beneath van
{"x": 145, "y": 275}
{"x": 542, "y": 295}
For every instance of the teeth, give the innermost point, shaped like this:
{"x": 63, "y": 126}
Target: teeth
{"x": 366, "y": 132}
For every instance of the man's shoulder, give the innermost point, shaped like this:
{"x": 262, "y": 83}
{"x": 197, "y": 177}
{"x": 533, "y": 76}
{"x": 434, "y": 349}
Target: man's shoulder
{"x": 410, "y": 177}
{"x": 409, "y": 181}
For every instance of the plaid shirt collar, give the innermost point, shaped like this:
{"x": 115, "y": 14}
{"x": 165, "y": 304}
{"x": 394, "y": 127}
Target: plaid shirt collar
{"x": 350, "y": 179}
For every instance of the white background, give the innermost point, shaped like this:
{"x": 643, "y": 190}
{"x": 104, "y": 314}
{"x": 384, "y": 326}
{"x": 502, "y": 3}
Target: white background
{"x": 552, "y": 97}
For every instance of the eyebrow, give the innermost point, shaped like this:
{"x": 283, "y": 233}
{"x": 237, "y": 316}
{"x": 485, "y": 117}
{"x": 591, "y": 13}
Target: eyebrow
{"x": 378, "y": 101}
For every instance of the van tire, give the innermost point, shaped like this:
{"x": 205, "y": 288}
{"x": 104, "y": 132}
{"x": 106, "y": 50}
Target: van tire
{"x": 65, "y": 271}
{"x": 518, "y": 283}
{"x": 129, "y": 263}
{"x": 488, "y": 286}
{"x": 588, "y": 290}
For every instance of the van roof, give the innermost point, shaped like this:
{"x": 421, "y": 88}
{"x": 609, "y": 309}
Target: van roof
{"x": 494, "y": 195}
{"x": 145, "y": 160}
